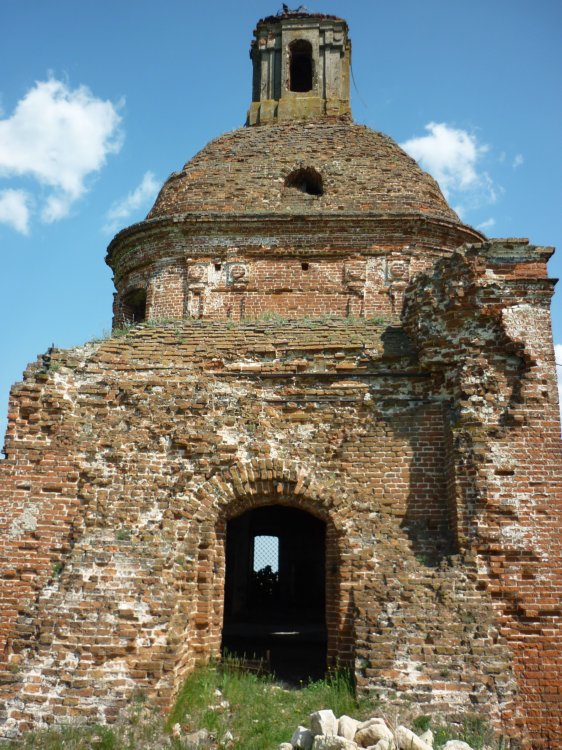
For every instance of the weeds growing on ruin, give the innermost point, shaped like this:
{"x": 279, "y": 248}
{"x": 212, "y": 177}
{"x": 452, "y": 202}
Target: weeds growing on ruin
{"x": 241, "y": 710}
{"x": 258, "y": 711}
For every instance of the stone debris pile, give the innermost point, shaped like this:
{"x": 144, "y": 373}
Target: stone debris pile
{"x": 330, "y": 733}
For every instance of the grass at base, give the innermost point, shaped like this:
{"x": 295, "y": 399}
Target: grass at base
{"x": 258, "y": 712}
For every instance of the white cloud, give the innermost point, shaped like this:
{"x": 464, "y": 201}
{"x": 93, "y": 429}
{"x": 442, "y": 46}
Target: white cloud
{"x": 452, "y": 156}
{"x": 518, "y": 161}
{"x": 488, "y": 224}
{"x": 143, "y": 194}
{"x": 58, "y": 136}
{"x": 14, "y": 209}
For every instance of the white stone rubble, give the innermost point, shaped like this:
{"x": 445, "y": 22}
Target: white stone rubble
{"x": 372, "y": 731}
{"x": 302, "y": 738}
{"x": 329, "y": 733}
{"x": 332, "y": 742}
{"x": 408, "y": 740}
{"x": 427, "y": 737}
{"x": 347, "y": 727}
{"x": 383, "y": 745}
{"x": 323, "y": 722}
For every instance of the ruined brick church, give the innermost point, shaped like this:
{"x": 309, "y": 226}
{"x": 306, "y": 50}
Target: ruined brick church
{"x": 323, "y": 359}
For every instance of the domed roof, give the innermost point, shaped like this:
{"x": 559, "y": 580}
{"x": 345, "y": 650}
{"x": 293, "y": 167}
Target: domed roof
{"x": 302, "y": 168}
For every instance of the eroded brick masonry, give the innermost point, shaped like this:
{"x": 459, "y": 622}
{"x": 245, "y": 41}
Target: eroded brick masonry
{"x": 313, "y": 328}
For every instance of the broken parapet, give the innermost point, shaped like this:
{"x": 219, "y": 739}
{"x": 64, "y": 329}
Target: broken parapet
{"x": 481, "y": 324}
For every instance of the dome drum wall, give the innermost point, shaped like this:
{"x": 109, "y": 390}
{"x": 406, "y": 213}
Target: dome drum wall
{"x": 304, "y": 266}
{"x": 270, "y": 199}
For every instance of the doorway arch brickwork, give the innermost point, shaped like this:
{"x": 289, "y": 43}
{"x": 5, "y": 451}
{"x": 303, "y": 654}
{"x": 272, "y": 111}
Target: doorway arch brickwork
{"x": 244, "y": 487}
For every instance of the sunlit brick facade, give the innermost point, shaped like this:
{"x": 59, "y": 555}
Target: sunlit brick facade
{"x": 301, "y": 322}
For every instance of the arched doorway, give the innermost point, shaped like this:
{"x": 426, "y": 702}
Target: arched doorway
{"x": 275, "y": 590}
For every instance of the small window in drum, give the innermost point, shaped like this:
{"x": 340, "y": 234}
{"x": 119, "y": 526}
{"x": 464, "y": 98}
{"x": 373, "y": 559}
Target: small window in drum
{"x": 133, "y": 306}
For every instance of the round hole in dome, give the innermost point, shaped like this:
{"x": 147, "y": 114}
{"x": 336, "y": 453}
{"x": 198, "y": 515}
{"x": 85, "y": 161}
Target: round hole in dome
{"x": 307, "y": 180}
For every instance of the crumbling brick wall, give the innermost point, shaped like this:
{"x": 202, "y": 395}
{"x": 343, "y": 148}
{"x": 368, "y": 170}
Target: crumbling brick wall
{"x": 175, "y": 429}
{"x": 482, "y": 321}
{"x": 431, "y": 452}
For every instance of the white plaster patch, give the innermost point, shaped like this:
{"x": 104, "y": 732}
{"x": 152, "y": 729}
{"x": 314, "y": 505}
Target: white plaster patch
{"x": 27, "y": 521}
{"x": 140, "y": 609}
{"x": 514, "y": 534}
{"x": 230, "y": 435}
{"x": 151, "y": 516}
{"x": 520, "y": 321}
{"x": 303, "y": 432}
{"x": 411, "y": 671}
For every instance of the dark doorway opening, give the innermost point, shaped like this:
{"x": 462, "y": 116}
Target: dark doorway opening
{"x": 275, "y": 591}
{"x": 300, "y": 68}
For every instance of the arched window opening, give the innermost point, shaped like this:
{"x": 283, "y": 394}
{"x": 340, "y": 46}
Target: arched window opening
{"x": 133, "y": 306}
{"x": 306, "y": 180}
{"x": 300, "y": 66}
{"x": 275, "y": 591}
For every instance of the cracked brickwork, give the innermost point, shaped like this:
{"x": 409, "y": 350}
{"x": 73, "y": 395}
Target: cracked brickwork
{"x": 357, "y": 354}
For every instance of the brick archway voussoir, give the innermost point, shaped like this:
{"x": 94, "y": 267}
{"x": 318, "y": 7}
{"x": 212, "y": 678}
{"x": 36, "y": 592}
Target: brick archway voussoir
{"x": 241, "y": 486}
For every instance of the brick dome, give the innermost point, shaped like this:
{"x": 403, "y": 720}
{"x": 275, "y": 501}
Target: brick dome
{"x": 302, "y": 212}
{"x": 311, "y": 168}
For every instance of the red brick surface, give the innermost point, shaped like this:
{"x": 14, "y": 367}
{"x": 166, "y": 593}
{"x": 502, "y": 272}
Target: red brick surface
{"x": 360, "y": 355}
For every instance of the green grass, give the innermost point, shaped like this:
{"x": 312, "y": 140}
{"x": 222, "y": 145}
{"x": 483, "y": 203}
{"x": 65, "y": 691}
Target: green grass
{"x": 475, "y": 731}
{"x": 257, "y": 711}
{"x": 75, "y": 738}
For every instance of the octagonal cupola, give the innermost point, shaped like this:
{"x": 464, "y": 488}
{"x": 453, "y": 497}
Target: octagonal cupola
{"x": 301, "y": 68}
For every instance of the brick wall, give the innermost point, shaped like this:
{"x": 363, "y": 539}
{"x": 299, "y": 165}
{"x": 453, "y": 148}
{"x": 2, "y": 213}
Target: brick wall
{"x": 431, "y": 452}
{"x": 229, "y": 276}
{"x": 488, "y": 333}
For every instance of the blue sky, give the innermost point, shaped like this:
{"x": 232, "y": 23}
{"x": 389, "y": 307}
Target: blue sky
{"x": 100, "y": 101}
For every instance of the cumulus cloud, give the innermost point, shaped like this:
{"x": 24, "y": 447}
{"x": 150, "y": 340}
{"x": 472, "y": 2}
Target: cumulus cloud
{"x": 58, "y": 137}
{"x": 452, "y": 156}
{"x": 518, "y": 161}
{"x": 142, "y": 195}
{"x": 14, "y": 209}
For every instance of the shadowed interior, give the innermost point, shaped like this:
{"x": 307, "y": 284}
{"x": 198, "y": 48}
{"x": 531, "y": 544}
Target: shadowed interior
{"x": 277, "y": 616}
